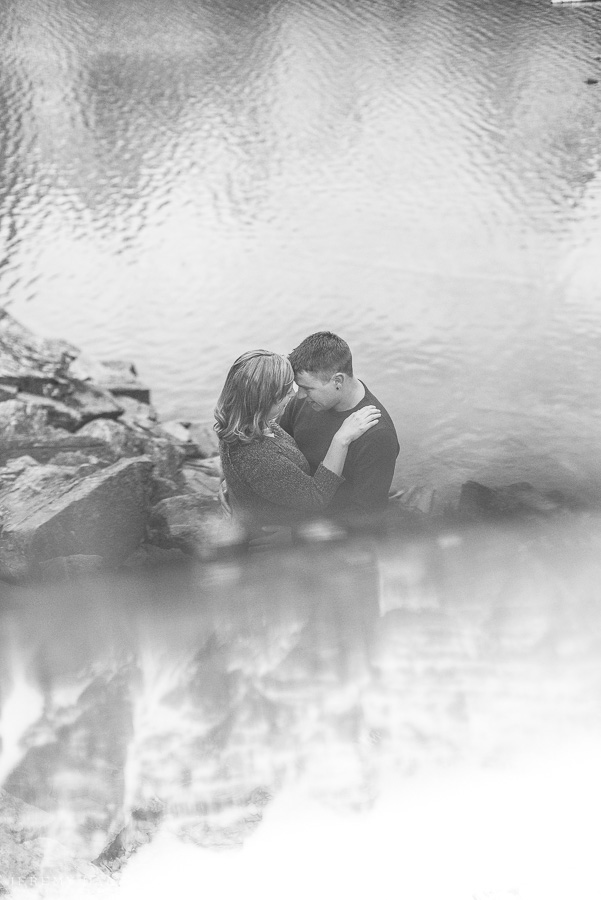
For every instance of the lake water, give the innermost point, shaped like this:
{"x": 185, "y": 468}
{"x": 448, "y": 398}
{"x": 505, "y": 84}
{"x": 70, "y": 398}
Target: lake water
{"x": 418, "y": 718}
{"x": 184, "y": 181}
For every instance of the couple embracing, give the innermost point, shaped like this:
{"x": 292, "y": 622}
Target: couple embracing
{"x": 327, "y": 448}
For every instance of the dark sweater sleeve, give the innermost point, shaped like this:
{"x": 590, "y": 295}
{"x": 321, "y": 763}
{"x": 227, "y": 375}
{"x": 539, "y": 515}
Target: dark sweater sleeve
{"x": 274, "y": 477}
{"x": 373, "y": 471}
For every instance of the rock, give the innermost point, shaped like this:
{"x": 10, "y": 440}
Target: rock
{"x": 210, "y": 466}
{"x": 8, "y": 392}
{"x": 121, "y": 440}
{"x": 28, "y": 361}
{"x": 11, "y": 471}
{"x": 477, "y": 501}
{"x": 64, "y": 568}
{"x": 200, "y": 483}
{"x": 65, "y": 415}
{"x": 149, "y": 556}
{"x": 17, "y": 419}
{"x": 142, "y": 826}
{"x": 116, "y": 376}
{"x": 28, "y": 853}
{"x": 203, "y": 435}
{"x": 183, "y": 523}
{"x": 415, "y": 499}
{"x": 14, "y": 564}
{"x": 26, "y": 430}
{"x": 43, "y": 449}
{"x": 179, "y": 431}
{"x": 73, "y": 458}
{"x": 126, "y": 439}
{"x": 70, "y": 502}
{"x": 41, "y": 371}
{"x": 20, "y": 463}
{"x": 138, "y": 415}
{"x": 166, "y": 457}
{"x": 53, "y": 515}
{"x": 89, "y": 401}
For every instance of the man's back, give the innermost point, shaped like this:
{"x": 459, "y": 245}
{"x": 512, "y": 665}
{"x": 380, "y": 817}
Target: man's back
{"x": 370, "y": 463}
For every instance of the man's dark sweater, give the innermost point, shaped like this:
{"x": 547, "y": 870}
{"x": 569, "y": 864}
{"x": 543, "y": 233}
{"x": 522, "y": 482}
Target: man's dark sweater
{"x": 369, "y": 466}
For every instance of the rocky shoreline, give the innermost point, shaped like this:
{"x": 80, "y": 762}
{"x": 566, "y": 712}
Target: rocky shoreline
{"x": 90, "y": 478}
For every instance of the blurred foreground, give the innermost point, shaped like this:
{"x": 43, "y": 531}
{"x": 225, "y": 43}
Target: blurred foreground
{"x": 413, "y": 716}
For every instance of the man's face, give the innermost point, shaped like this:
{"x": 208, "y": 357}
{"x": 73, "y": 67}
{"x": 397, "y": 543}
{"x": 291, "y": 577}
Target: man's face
{"x": 319, "y": 390}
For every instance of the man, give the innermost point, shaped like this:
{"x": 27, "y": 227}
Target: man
{"x": 328, "y": 392}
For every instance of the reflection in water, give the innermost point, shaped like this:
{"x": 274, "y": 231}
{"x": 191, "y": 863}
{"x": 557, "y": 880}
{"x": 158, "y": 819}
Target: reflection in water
{"x": 433, "y": 697}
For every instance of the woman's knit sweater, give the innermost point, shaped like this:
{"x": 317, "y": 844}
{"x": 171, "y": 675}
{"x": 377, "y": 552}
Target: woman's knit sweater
{"x": 269, "y": 481}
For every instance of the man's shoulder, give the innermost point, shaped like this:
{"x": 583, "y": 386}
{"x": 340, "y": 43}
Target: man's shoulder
{"x": 384, "y": 430}
{"x": 380, "y": 440}
{"x": 371, "y": 398}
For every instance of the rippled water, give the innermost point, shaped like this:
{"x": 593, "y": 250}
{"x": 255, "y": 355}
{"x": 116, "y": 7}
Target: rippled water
{"x": 418, "y": 718}
{"x": 184, "y": 181}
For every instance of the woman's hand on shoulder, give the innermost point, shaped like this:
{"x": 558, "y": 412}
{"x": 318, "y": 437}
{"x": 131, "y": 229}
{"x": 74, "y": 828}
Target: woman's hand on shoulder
{"x": 358, "y": 423}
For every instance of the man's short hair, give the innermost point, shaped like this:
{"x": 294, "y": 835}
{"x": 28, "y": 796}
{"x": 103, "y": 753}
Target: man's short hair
{"x": 322, "y": 353}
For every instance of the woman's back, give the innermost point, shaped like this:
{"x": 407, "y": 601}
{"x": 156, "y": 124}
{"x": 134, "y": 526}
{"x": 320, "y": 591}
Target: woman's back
{"x": 270, "y": 482}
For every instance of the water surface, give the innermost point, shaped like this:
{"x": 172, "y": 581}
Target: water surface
{"x": 184, "y": 181}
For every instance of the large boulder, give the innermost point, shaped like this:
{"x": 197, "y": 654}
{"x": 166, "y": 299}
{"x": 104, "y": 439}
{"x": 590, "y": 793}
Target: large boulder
{"x": 204, "y": 437}
{"x": 30, "y": 362}
{"x": 184, "y": 523}
{"x": 26, "y": 430}
{"x": 522, "y": 500}
{"x": 128, "y": 439}
{"x": 42, "y": 374}
{"x": 50, "y": 512}
{"x": 30, "y": 855}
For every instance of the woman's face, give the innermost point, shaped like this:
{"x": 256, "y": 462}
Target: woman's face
{"x": 278, "y": 408}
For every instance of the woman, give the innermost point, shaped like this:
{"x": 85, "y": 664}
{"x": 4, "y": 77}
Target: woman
{"x": 268, "y": 478}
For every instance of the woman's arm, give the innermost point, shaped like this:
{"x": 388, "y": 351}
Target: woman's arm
{"x": 263, "y": 471}
{"x": 271, "y": 475}
{"x": 352, "y": 428}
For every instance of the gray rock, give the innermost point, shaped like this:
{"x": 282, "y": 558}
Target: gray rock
{"x": 26, "y": 430}
{"x": 127, "y": 439}
{"x": 74, "y": 458}
{"x": 121, "y": 440}
{"x": 150, "y": 556}
{"x": 183, "y": 523}
{"x": 209, "y": 466}
{"x": 418, "y": 498}
{"x": 138, "y": 415}
{"x": 26, "y": 358}
{"x": 59, "y": 414}
{"x": 204, "y": 437}
{"x": 20, "y": 463}
{"x": 179, "y": 431}
{"x": 48, "y": 513}
{"x": 64, "y": 568}
{"x": 18, "y": 420}
{"x": 8, "y": 392}
{"x": 41, "y": 371}
{"x": 118, "y": 377}
{"x": 477, "y": 501}
{"x": 200, "y": 483}
{"x": 89, "y": 401}
{"x": 28, "y": 853}
{"x": 14, "y": 564}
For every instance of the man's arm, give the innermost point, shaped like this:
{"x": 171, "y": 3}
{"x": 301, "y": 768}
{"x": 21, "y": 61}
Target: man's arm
{"x": 372, "y": 472}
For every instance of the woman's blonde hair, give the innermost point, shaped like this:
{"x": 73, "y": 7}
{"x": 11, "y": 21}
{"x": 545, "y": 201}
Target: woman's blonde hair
{"x": 256, "y": 381}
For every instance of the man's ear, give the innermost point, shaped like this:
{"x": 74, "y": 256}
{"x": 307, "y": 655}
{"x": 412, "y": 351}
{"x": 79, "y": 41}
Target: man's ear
{"x": 338, "y": 379}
